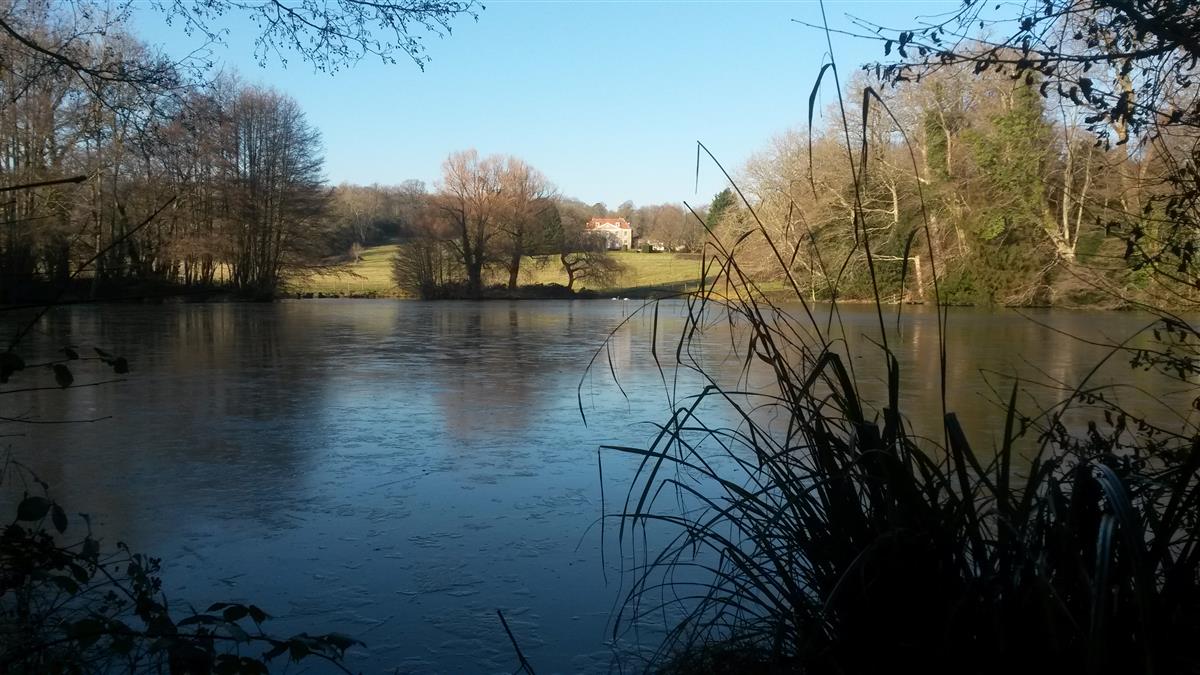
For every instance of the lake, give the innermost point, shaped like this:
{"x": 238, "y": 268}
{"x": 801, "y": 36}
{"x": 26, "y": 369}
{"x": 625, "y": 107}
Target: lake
{"x": 398, "y": 471}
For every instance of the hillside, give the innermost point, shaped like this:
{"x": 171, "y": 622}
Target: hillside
{"x": 645, "y": 274}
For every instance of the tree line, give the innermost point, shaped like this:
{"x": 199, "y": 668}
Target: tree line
{"x": 149, "y": 173}
{"x": 128, "y": 173}
{"x": 123, "y": 169}
{"x": 1018, "y": 197}
{"x": 496, "y": 214}
{"x": 1004, "y": 187}
{"x": 1051, "y": 164}
{"x": 170, "y": 180}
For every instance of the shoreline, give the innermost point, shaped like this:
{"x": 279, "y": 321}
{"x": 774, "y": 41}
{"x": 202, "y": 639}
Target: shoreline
{"x": 34, "y": 297}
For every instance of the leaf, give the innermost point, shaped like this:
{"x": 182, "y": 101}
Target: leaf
{"x": 121, "y": 644}
{"x": 297, "y": 649}
{"x": 9, "y": 364}
{"x": 119, "y": 365}
{"x": 86, "y": 631}
{"x": 59, "y": 518}
{"x": 257, "y": 615}
{"x": 67, "y": 584}
{"x": 81, "y": 575}
{"x": 63, "y": 376}
{"x": 91, "y": 549}
{"x": 33, "y": 508}
{"x": 342, "y": 642}
{"x": 235, "y": 613}
{"x": 160, "y": 624}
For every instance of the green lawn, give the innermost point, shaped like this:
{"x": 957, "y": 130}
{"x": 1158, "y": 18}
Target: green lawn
{"x": 644, "y": 273}
{"x": 371, "y": 276}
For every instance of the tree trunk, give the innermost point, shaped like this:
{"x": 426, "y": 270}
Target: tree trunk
{"x": 570, "y": 270}
{"x": 949, "y": 144}
{"x": 514, "y": 268}
{"x": 475, "y": 279}
{"x": 920, "y": 279}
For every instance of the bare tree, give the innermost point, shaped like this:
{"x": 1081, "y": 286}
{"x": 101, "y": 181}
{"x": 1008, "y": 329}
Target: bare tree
{"x": 424, "y": 267}
{"x": 80, "y": 96}
{"x": 527, "y": 195}
{"x": 672, "y": 224}
{"x": 469, "y": 198}
{"x": 329, "y": 34}
{"x": 272, "y": 161}
{"x": 584, "y": 256}
{"x": 1128, "y": 70}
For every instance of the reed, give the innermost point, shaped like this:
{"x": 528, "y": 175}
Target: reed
{"x": 814, "y": 534}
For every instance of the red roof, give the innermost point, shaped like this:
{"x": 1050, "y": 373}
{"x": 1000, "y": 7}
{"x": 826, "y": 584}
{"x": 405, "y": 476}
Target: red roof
{"x": 597, "y": 222}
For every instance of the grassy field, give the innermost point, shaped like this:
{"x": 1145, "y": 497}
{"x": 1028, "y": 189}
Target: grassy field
{"x": 645, "y": 273}
{"x": 372, "y": 275}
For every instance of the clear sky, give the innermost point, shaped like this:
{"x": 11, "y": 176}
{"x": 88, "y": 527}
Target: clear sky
{"x": 608, "y": 99}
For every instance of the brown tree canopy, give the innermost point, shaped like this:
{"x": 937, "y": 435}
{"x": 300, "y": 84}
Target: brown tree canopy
{"x": 330, "y": 35}
{"x": 1056, "y": 140}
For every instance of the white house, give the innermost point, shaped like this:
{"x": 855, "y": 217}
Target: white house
{"x": 616, "y": 230}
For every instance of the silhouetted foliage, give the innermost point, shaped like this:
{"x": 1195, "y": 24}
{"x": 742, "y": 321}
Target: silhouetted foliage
{"x": 813, "y": 533}
{"x": 67, "y": 605}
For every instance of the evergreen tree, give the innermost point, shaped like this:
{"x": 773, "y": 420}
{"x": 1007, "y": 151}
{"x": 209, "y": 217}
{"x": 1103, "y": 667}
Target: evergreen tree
{"x": 722, "y": 202}
{"x": 1011, "y": 155}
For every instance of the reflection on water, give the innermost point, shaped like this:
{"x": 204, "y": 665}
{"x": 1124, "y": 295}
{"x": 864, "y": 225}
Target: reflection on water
{"x": 399, "y": 470}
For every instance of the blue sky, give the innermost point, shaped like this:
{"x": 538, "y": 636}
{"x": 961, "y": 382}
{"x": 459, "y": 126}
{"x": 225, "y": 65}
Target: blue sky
{"x": 607, "y": 98}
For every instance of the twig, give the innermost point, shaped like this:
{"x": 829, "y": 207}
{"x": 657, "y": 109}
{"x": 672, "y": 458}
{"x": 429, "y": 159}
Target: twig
{"x": 44, "y": 183}
{"x": 525, "y": 665}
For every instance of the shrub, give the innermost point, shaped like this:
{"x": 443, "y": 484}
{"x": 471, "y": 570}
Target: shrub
{"x": 69, "y": 606}
{"x": 426, "y": 268}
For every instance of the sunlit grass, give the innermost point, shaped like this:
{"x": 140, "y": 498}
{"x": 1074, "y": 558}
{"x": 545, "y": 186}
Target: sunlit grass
{"x": 371, "y": 276}
{"x": 644, "y": 272}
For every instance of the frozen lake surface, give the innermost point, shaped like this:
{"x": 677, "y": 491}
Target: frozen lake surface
{"x": 398, "y": 471}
